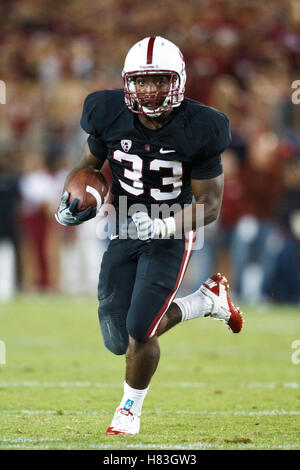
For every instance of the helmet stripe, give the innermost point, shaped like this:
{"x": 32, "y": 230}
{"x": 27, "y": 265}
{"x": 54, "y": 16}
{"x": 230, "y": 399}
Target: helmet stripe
{"x": 150, "y": 50}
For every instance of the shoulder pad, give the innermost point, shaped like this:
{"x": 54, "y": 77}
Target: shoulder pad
{"x": 218, "y": 121}
{"x": 100, "y": 109}
{"x": 213, "y": 120}
{"x": 210, "y": 126}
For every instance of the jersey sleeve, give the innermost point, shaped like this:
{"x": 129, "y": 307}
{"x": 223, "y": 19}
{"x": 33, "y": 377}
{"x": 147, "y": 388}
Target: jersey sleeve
{"x": 88, "y": 123}
{"x": 208, "y": 165}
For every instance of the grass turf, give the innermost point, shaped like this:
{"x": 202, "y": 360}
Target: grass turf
{"x": 212, "y": 390}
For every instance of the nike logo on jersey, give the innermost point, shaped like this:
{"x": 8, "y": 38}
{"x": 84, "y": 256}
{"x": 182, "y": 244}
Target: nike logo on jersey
{"x": 166, "y": 151}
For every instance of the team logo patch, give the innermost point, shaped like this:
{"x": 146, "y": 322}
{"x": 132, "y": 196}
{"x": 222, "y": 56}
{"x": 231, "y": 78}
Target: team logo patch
{"x": 126, "y": 145}
{"x": 128, "y": 405}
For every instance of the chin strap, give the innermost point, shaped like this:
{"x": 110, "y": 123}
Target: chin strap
{"x": 155, "y": 115}
{"x": 161, "y": 109}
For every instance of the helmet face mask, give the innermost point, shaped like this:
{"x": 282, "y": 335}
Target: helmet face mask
{"x": 159, "y": 101}
{"x": 154, "y": 57}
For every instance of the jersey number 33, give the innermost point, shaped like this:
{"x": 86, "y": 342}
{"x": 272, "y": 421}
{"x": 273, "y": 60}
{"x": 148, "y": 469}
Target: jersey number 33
{"x": 135, "y": 185}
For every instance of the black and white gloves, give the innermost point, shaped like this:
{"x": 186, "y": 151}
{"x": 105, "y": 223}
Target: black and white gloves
{"x": 147, "y": 228}
{"x": 141, "y": 227}
{"x": 67, "y": 215}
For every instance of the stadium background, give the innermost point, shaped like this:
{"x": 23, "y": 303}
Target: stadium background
{"x": 241, "y": 57}
{"x": 212, "y": 390}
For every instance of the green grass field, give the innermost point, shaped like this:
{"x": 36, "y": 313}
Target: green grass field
{"x": 213, "y": 389}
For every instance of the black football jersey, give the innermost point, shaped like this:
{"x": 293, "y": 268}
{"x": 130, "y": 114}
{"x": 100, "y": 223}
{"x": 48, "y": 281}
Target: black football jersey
{"x": 155, "y": 166}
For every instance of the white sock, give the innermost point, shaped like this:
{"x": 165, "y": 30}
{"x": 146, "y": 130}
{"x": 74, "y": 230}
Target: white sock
{"x": 194, "y": 305}
{"x": 133, "y": 399}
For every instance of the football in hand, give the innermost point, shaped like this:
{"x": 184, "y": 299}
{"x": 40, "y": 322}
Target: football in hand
{"x": 90, "y": 187}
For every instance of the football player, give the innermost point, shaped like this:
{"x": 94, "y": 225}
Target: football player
{"x": 162, "y": 148}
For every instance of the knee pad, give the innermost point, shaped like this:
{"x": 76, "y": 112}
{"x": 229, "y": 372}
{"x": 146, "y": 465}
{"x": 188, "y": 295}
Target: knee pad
{"x": 113, "y": 329}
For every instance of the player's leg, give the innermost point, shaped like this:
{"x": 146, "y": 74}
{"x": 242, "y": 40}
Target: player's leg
{"x": 153, "y": 311}
{"x": 160, "y": 271}
{"x": 172, "y": 317}
{"x": 142, "y": 357}
{"x": 210, "y": 300}
{"x": 116, "y": 281}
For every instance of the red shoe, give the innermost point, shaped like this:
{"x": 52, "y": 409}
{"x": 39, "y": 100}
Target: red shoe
{"x": 124, "y": 422}
{"x": 216, "y": 288}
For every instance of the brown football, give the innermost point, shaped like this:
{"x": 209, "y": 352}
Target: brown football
{"x": 89, "y": 186}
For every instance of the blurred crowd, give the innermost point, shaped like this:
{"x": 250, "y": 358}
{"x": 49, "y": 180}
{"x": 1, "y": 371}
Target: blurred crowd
{"x": 241, "y": 57}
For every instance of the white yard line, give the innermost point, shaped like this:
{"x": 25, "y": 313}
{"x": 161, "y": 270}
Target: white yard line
{"x": 111, "y": 446}
{"x": 35, "y": 383}
{"x": 27, "y": 439}
{"x": 241, "y": 413}
{"x": 16, "y": 384}
{"x": 158, "y": 412}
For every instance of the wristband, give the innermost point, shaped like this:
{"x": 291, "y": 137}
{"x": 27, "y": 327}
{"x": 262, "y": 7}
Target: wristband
{"x": 170, "y": 227}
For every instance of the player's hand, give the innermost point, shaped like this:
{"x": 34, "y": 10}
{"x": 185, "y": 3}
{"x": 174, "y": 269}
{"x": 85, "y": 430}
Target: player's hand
{"x": 66, "y": 214}
{"x": 158, "y": 228}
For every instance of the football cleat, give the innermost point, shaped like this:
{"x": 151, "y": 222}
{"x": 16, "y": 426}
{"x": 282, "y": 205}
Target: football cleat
{"x": 124, "y": 422}
{"x": 216, "y": 288}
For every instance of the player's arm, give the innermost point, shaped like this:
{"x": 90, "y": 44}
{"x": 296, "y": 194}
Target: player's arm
{"x": 87, "y": 160}
{"x": 207, "y": 192}
{"x": 66, "y": 213}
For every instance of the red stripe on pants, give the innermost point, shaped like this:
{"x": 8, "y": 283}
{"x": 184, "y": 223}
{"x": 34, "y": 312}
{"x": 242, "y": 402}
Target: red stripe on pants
{"x": 184, "y": 263}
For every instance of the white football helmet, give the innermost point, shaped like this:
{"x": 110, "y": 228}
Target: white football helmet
{"x": 154, "y": 56}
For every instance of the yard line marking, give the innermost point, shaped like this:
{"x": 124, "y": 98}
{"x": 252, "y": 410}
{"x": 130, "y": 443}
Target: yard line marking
{"x": 240, "y": 413}
{"x": 15, "y": 384}
{"x": 190, "y": 446}
{"x": 23, "y": 446}
{"x": 159, "y": 411}
{"x": 271, "y": 385}
{"x": 36, "y": 383}
{"x": 27, "y": 439}
{"x": 196, "y": 445}
{"x": 52, "y": 412}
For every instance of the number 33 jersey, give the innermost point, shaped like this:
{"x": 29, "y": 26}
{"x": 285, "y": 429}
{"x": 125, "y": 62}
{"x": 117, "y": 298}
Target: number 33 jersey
{"x": 155, "y": 166}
